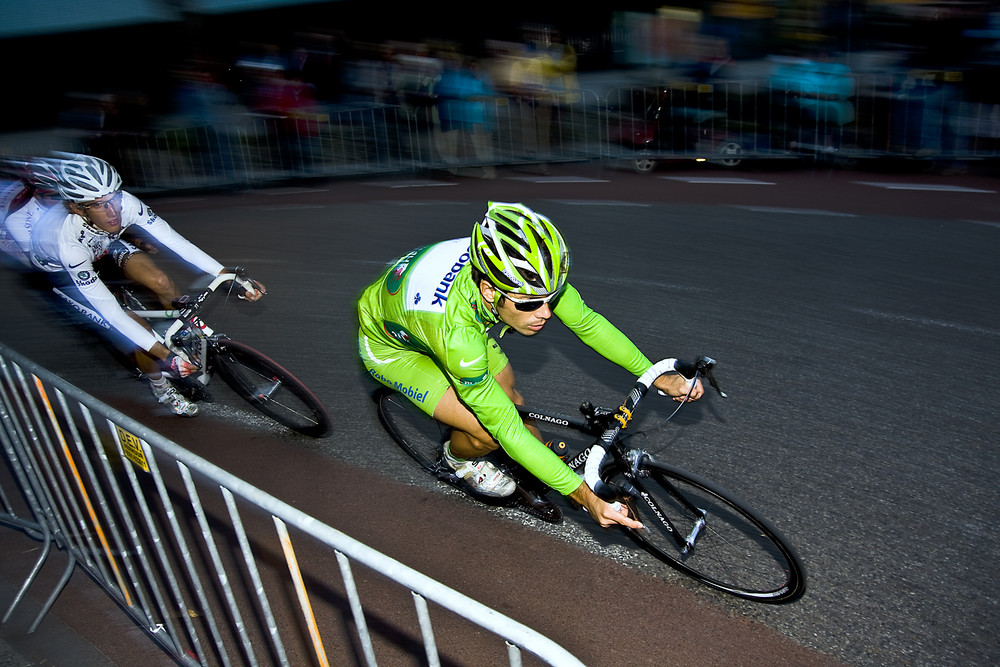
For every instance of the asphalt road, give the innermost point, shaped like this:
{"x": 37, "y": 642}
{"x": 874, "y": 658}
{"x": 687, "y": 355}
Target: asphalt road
{"x": 854, "y": 319}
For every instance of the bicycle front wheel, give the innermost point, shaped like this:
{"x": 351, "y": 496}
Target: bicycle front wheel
{"x": 714, "y": 537}
{"x": 270, "y": 388}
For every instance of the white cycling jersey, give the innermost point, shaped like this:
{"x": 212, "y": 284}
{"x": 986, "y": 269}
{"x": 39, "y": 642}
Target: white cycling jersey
{"x": 64, "y": 241}
{"x": 15, "y": 230}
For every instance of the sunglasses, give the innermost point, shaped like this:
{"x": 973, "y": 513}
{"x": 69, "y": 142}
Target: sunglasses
{"x": 530, "y": 305}
{"x": 106, "y": 204}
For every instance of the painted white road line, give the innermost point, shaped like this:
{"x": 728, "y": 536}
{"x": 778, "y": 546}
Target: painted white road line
{"x": 928, "y": 187}
{"x": 286, "y": 207}
{"x": 288, "y": 191}
{"x": 925, "y": 321}
{"x": 716, "y": 180}
{"x": 429, "y": 202}
{"x": 585, "y": 202}
{"x": 795, "y": 211}
{"x": 547, "y": 180}
{"x": 409, "y": 184}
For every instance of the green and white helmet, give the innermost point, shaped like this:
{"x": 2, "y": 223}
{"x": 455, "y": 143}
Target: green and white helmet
{"x": 519, "y": 250}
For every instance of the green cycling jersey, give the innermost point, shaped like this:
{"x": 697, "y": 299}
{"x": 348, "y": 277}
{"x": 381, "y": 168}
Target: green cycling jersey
{"x": 427, "y": 303}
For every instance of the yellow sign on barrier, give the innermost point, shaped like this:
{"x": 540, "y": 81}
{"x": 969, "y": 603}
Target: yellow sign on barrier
{"x": 132, "y": 448}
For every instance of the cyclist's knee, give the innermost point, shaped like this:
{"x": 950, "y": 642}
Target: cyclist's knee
{"x": 141, "y": 269}
{"x": 161, "y": 285}
{"x": 470, "y": 445}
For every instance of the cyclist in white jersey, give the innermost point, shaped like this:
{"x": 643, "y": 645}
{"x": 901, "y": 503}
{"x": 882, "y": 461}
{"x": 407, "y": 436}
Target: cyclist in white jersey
{"x": 23, "y": 201}
{"x": 87, "y": 226}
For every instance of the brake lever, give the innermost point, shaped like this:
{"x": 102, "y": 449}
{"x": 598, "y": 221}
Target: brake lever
{"x": 715, "y": 385}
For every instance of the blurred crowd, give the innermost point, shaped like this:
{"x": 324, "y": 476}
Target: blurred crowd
{"x": 324, "y": 70}
{"x": 447, "y": 85}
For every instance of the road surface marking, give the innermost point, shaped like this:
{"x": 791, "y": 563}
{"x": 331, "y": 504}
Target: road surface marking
{"x": 610, "y": 202}
{"x": 715, "y": 180}
{"x": 546, "y": 180}
{"x": 927, "y": 187}
{"x": 926, "y": 321}
{"x": 409, "y": 184}
{"x": 798, "y": 211}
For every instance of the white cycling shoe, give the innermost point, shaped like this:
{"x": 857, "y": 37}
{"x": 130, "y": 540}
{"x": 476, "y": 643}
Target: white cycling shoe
{"x": 173, "y": 399}
{"x": 481, "y": 475}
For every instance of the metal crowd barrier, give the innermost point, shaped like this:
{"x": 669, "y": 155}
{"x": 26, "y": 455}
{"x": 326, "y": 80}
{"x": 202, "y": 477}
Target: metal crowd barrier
{"x": 796, "y": 113}
{"x": 836, "y": 119}
{"x": 350, "y": 140}
{"x": 213, "y": 569}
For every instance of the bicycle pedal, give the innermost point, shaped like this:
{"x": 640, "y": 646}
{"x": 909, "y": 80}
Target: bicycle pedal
{"x": 537, "y": 506}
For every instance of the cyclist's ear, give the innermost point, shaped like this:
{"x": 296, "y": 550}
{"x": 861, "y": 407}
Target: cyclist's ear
{"x": 487, "y": 291}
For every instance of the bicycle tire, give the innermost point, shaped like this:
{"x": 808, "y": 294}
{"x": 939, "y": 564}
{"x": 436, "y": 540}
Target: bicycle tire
{"x": 422, "y": 437}
{"x": 738, "y": 552}
{"x": 419, "y": 436}
{"x": 270, "y": 388}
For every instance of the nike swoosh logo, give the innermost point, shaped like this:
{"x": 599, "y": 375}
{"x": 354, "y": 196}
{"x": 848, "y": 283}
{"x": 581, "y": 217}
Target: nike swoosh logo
{"x": 73, "y": 266}
{"x": 465, "y": 364}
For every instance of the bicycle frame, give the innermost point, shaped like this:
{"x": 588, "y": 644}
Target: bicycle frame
{"x": 255, "y": 377}
{"x": 182, "y": 321}
{"x": 608, "y": 425}
{"x": 738, "y": 551}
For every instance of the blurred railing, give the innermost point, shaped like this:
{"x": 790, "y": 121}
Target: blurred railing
{"x": 798, "y": 114}
{"x": 843, "y": 120}
{"x": 216, "y": 571}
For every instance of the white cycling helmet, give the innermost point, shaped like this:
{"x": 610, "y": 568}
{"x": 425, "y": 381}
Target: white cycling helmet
{"x": 41, "y": 173}
{"x": 84, "y": 178}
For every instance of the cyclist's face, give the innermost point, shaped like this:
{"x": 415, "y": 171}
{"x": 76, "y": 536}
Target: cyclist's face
{"x": 104, "y": 213}
{"x": 526, "y": 323}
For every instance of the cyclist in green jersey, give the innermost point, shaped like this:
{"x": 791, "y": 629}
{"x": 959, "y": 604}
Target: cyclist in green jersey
{"x": 424, "y": 332}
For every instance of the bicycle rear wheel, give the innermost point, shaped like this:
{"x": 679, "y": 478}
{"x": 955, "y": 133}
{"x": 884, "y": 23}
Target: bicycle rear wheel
{"x": 422, "y": 437}
{"x": 736, "y": 551}
{"x": 270, "y": 388}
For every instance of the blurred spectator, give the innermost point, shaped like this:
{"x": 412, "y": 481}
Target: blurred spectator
{"x": 522, "y": 75}
{"x": 560, "y": 70}
{"x": 415, "y": 73}
{"x": 465, "y": 98}
{"x": 125, "y": 133}
{"x": 209, "y": 117}
{"x": 933, "y": 105}
{"x": 294, "y": 117}
{"x": 818, "y": 97}
{"x": 369, "y": 74}
{"x": 317, "y": 59}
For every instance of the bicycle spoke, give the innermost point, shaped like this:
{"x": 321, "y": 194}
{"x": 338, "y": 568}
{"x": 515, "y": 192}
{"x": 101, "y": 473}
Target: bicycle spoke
{"x": 734, "y": 550}
{"x": 271, "y": 389}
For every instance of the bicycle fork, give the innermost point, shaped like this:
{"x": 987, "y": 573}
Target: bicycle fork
{"x": 684, "y": 544}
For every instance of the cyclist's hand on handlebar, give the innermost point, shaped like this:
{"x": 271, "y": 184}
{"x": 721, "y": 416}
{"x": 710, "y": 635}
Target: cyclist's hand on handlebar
{"x": 250, "y": 289}
{"x": 179, "y": 367}
{"x": 606, "y": 515}
{"x": 677, "y": 387}
{"x": 254, "y": 290}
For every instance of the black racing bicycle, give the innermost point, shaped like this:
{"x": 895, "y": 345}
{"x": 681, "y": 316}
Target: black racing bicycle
{"x": 258, "y": 379}
{"x": 690, "y": 523}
